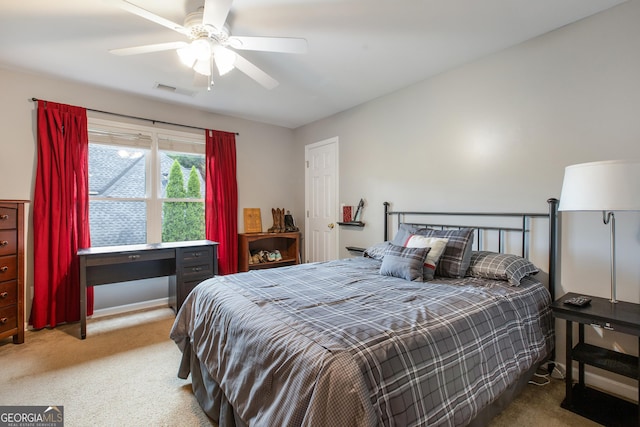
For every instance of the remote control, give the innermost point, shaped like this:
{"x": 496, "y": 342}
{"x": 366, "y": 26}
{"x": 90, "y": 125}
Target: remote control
{"x": 579, "y": 301}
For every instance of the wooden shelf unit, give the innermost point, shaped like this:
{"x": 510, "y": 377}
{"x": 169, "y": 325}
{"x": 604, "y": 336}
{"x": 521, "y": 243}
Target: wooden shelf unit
{"x": 287, "y": 243}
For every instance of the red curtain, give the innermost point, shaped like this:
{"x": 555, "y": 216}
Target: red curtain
{"x": 221, "y": 198}
{"x": 60, "y": 214}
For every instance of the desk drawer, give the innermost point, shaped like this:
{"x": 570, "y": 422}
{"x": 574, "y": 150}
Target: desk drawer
{"x": 8, "y": 242}
{"x": 195, "y": 271}
{"x": 8, "y": 318}
{"x": 8, "y": 218}
{"x": 196, "y": 262}
{"x": 8, "y": 267}
{"x": 8, "y": 293}
{"x": 129, "y": 257}
{"x": 197, "y": 255}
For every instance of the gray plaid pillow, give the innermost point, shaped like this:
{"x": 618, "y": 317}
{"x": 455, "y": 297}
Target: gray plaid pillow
{"x": 405, "y": 263}
{"x": 405, "y": 231}
{"x": 456, "y": 257}
{"x": 376, "y": 251}
{"x": 492, "y": 265}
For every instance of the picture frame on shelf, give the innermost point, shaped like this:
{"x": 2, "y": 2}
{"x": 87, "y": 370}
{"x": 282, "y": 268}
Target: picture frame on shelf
{"x": 252, "y": 220}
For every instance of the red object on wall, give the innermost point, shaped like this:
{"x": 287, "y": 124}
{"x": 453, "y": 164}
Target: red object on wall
{"x": 347, "y": 212}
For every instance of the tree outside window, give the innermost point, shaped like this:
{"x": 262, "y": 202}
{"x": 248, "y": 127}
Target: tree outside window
{"x": 182, "y": 220}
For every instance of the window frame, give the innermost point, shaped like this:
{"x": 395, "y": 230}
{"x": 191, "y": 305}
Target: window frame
{"x": 159, "y": 140}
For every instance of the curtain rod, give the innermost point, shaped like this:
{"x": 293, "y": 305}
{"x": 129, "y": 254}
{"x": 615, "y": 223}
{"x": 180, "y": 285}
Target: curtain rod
{"x": 140, "y": 118}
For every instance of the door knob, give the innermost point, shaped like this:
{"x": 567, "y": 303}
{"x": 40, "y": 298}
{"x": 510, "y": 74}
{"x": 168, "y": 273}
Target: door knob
{"x": 331, "y": 226}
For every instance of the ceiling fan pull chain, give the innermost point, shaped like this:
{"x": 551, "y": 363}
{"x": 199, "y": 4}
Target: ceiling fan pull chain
{"x": 210, "y": 79}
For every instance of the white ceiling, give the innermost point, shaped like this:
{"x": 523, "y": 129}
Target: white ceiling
{"x": 358, "y": 49}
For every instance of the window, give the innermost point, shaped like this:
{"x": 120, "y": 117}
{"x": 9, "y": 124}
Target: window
{"x": 145, "y": 185}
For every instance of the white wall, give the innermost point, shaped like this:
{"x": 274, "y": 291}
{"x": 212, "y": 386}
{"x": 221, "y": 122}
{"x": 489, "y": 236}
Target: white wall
{"x": 496, "y": 135}
{"x": 264, "y": 156}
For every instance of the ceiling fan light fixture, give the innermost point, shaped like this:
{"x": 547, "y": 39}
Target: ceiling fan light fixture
{"x": 187, "y": 56}
{"x": 203, "y": 66}
{"x": 201, "y": 48}
{"x": 224, "y": 59}
{"x": 208, "y": 32}
{"x": 197, "y": 50}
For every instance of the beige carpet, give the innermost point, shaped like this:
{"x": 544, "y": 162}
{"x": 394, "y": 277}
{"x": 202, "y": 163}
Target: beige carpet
{"x": 124, "y": 374}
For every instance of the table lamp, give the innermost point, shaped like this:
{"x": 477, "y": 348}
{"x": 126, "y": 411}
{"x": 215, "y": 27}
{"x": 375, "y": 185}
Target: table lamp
{"x": 606, "y": 186}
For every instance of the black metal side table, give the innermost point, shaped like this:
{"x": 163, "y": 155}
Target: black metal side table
{"x": 623, "y": 317}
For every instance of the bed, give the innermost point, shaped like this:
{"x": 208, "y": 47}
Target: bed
{"x": 394, "y": 337}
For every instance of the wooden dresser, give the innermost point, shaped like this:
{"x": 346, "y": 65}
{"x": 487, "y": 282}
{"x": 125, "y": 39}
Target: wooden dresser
{"x": 12, "y": 270}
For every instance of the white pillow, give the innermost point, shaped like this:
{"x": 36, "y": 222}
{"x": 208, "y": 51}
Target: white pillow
{"x": 437, "y": 245}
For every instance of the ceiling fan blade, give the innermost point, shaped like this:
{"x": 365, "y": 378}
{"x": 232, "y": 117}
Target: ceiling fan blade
{"x": 255, "y": 73}
{"x": 216, "y": 12}
{"x": 269, "y": 44}
{"x": 148, "y": 48}
{"x": 143, "y": 13}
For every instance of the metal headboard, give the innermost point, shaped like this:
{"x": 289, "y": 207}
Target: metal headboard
{"x": 524, "y": 229}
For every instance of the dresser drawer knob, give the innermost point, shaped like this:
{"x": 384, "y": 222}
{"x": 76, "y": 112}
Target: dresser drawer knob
{"x": 134, "y": 256}
{"x": 4, "y": 217}
{"x": 196, "y": 269}
{"x": 197, "y": 254}
{"x": 3, "y": 320}
{"x": 4, "y": 243}
{"x": 3, "y": 268}
{"x": 4, "y": 294}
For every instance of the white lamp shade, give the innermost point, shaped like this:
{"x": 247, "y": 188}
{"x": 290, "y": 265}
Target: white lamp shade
{"x": 612, "y": 185}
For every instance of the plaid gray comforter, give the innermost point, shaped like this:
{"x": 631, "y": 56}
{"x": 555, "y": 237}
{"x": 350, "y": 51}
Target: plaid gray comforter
{"x": 338, "y": 344}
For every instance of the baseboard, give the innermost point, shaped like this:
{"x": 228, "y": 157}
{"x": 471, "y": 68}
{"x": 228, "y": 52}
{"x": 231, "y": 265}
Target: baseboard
{"x": 110, "y": 311}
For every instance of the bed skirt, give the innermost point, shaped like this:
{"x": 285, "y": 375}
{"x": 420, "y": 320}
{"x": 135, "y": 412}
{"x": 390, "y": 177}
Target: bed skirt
{"x": 214, "y": 403}
{"x": 208, "y": 393}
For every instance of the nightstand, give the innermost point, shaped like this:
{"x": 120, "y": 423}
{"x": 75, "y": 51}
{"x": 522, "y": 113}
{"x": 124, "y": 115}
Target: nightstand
{"x": 623, "y": 317}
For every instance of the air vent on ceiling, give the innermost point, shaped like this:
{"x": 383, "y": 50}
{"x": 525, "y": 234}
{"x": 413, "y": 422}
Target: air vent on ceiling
{"x": 174, "y": 89}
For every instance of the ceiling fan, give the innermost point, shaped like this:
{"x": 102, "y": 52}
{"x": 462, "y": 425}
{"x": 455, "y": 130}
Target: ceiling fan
{"x": 211, "y": 44}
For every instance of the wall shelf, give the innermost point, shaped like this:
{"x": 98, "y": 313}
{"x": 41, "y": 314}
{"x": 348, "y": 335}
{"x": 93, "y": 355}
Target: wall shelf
{"x": 355, "y": 249}
{"x": 352, "y": 223}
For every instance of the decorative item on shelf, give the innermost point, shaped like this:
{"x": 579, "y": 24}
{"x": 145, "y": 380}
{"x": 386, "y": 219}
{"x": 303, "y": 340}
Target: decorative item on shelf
{"x": 252, "y": 220}
{"x": 278, "y": 221}
{"x": 262, "y": 256}
{"x": 347, "y": 213}
{"x": 605, "y": 186}
{"x": 289, "y": 225}
{"x": 350, "y": 218}
{"x": 282, "y": 223}
{"x": 358, "y": 214}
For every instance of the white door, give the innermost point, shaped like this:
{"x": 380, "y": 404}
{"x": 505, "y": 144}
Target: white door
{"x": 321, "y": 200}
